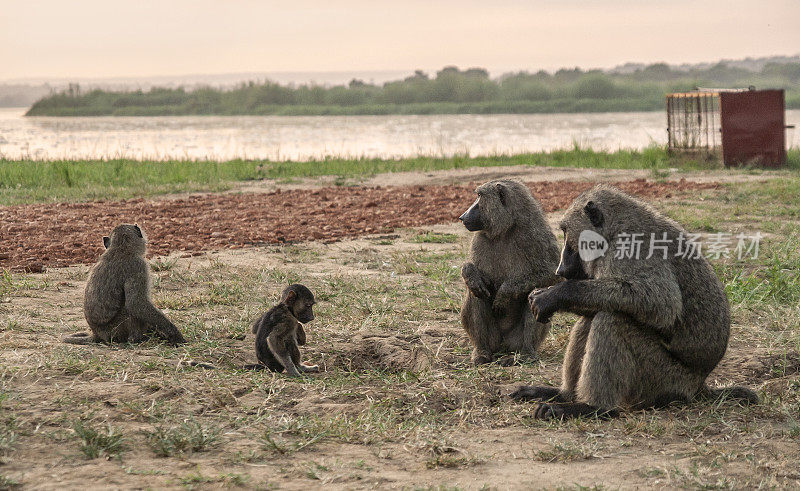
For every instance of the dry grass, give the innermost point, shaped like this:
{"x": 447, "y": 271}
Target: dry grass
{"x": 397, "y": 404}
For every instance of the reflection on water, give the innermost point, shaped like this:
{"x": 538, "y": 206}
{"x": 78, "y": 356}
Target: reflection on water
{"x": 316, "y": 137}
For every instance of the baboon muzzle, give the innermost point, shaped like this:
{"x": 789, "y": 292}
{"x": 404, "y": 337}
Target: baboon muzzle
{"x": 472, "y": 218}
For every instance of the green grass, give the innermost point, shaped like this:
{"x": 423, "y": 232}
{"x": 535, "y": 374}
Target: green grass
{"x": 95, "y": 442}
{"x": 189, "y": 436}
{"x": 34, "y": 181}
{"x": 29, "y": 181}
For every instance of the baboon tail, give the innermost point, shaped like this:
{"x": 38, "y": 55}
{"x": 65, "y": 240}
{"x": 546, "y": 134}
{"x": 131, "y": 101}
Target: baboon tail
{"x": 741, "y": 394}
{"x": 79, "y": 338}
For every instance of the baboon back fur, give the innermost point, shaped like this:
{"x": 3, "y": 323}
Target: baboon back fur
{"x": 117, "y": 303}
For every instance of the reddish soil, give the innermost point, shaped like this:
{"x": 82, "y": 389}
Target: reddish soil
{"x": 36, "y": 236}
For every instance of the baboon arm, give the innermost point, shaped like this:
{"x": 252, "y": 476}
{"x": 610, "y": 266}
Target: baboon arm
{"x": 656, "y": 302}
{"x": 511, "y": 290}
{"x": 300, "y": 335}
{"x": 277, "y": 345}
{"x": 477, "y": 283}
{"x": 138, "y": 304}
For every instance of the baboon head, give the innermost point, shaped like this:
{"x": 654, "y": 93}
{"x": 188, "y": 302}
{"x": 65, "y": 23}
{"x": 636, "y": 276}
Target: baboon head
{"x": 494, "y": 212}
{"x": 589, "y": 212}
{"x": 300, "y": 301}
{"x": 127, "y": 237}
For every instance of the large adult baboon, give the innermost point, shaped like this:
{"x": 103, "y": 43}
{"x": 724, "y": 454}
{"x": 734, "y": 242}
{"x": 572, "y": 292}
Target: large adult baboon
{"x": 655, "y": 319}
{"x": 513, "y": 252}
{"x": 116, "y": 302}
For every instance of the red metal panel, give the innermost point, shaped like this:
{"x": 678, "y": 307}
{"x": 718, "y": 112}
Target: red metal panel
{"x": 753, "y": 128}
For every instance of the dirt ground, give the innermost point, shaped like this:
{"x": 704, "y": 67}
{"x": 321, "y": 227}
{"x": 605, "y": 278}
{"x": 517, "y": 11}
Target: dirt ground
{"x": 38, "y": 236}
{"x": 397, "y": 404}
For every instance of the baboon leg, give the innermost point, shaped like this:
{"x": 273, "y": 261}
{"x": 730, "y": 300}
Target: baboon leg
{"x": 608, "y": 371}
{"x": 571, "y": 370}
{"x": 264, "y": 355}
{"x": 477, "y": 321}
{"x": 294, "y": 351}
{"x": 534, "y": 335}
{"x": 573, "y": 359}
{"x": 128, "y": 329}
{"x": 623, "y": 365}
{"x": 137, "y": 331}
{"x": 278, "y": 348}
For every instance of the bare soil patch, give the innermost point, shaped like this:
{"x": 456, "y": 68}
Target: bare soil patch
{"x": 53, "y": 235}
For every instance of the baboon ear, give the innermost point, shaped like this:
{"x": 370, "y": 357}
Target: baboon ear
{"x": 106, "y": 241}
{"x": 290, "y": 297}
{"x": 138, "y": 230}
{"x": 594, "y": 214}
{"x": 502, "y": 192}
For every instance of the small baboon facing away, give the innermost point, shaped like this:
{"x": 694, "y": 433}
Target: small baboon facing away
{"x": 655, "y": 319}
{"x": 513, "y": 252}
{"x": 116, "y": 301}
{"x": 280, "y": 330}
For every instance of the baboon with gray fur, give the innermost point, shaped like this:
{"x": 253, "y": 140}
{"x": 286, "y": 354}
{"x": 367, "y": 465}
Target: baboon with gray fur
{"x": 652, "y": 328}
{"x": 116, "y": 301}
{"x": 280, "y": 330}
{"x": 513, "y": 252}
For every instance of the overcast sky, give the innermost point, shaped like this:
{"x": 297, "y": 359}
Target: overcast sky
{"x": 136, "y": 38}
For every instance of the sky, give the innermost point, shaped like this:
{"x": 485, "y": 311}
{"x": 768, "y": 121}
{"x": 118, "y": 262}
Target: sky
{"x": 140, "y": 38}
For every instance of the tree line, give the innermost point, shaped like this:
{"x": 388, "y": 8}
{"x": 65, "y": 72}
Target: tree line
{"x": 450, "y": 90}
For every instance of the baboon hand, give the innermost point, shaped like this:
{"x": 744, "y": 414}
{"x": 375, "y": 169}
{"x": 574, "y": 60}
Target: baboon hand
{"x": 177, "y": 339}
{"x": 548, "y": 411}
{"x": 475, "y": 282}
{"x": 536, "y": 393}
{"x": 502, "y": 303}
{"x": 544, "y": 303}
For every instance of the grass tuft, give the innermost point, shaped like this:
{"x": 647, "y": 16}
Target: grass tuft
{"x": 95, "y": 442}
{"x": 190, "y": 436}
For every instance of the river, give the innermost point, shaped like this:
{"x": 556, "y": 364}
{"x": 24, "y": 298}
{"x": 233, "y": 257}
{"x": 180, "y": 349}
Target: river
{"x": 318, "y": 137}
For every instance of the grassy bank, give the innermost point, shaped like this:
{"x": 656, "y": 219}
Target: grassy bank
{"x": 29, "y": 181}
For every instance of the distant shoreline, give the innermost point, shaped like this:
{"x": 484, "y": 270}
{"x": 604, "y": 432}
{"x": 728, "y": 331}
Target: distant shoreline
{"x": 450, "y": 91}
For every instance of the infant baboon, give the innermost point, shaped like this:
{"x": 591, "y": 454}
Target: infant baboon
{"x": 279, "y": 332}
{"x": 513, "y": 252}
{"x": 653, "y": 327}
{"x": 116, "y": 302}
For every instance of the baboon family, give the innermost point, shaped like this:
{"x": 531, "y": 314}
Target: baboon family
{"x": 651, "y": 328}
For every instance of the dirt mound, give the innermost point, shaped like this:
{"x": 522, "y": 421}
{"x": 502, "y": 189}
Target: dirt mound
{"x": 33, "y": 237}
{"x": 384, "y": 352}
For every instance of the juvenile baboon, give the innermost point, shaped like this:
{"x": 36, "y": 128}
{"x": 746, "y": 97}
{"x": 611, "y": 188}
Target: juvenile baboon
{"x": 116, "y": 301}
{"x": 652, "y": 327}
{"x": 513, "y": 252}
{"x": 280, "y": 330}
